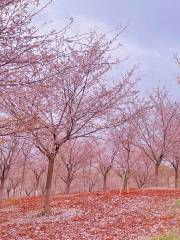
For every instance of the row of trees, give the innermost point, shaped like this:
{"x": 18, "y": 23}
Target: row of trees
{"x": 54, "y": 92}
{"x": 131, "y": 150}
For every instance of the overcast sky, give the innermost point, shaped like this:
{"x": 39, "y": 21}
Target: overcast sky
{"x": 151, "y": 39}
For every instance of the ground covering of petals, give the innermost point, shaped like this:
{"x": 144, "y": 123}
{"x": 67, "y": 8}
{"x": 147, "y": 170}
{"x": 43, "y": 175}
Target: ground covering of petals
{"x": 92, "y": 216}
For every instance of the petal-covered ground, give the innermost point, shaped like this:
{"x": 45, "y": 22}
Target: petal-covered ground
{"x": 92, "y": 216}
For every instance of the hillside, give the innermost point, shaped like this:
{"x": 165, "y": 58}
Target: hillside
{"x": 101, "y": 216}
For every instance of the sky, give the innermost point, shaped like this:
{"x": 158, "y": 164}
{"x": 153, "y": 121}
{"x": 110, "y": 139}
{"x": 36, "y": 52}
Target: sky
{"x": 150, "y": 40}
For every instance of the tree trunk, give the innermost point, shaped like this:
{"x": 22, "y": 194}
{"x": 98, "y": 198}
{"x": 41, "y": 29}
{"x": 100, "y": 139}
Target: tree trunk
{"x": 105, "y": 182}
{"x": 67, "y": 188}
{"x": 125, "y": 183}
{"x": 91, "y": 186}
{"x": 156, "y": 175}
{"x": 23, "y": 175}
{"x": 1, "y": 190}
{"x": 139, "y": 185}
{"x": 47, "y": 209}
{"x": 8, "y": 193}
{"x": 14, "y": 192}
{"x": 168, "y": 185}
{"x": 176, "y": 177}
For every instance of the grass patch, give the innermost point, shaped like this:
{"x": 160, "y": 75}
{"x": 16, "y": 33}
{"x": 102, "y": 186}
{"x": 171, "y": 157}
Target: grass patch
{"x": 168, "y": 236}
{"x": 177, "y": 203}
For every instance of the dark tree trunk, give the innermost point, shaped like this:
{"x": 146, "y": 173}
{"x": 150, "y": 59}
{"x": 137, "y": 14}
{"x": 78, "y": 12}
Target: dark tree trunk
{"x": 176, "y": 177}
{"x": 47, "y": 209}
{"x": 104, "y": 182}
{"x": 23, "y": 176}
{"x": 1, "y": 189}
{"x": 139, "y": 184}
{"x": 91, "y": 186}
{"x": 156, "y": 175}
{"x": 8, "y": 193}
{"x": 125, "y": 183}
{"x": 67, "y": 188}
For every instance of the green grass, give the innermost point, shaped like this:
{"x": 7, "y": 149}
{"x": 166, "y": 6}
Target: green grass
{"x": 168, "y": 236}
{"x": 177, "y": 203}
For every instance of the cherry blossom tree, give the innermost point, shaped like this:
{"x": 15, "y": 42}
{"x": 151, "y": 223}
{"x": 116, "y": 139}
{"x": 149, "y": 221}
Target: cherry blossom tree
{"x": 72, "y": 156}
{"x": 38, "y": 168}
{"x": 105, "y": 159}
{"x": 75, "y": 102}
{"x": 175, "y": 163}
{"x": 29, "y": 190}
{"x": 8, "y": 188}
{"x": 124, "y": 141}
{"x": 15, "y": 183}
{"x": 143, "y": 169}
{"x": 24, "y": 50}
{"x": 174, "y": 153}
{"x": 154, "y": 127}
{"x": 90, "y": 175}
{"x": 9, "y": 152}
{"x": 24, "y": 161}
